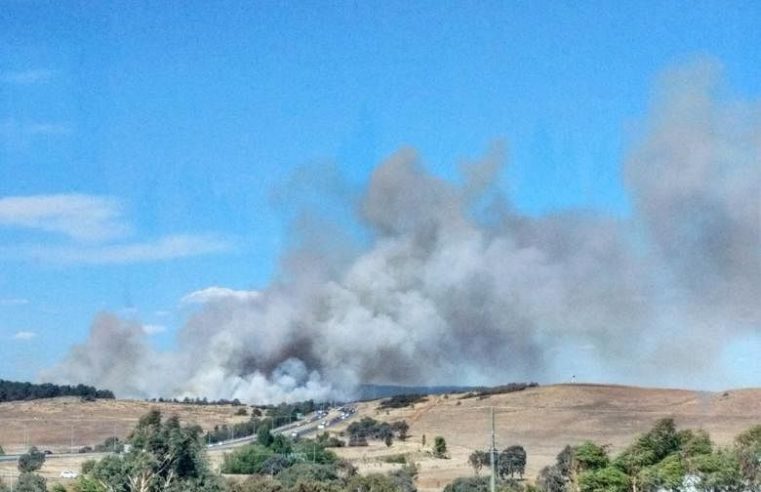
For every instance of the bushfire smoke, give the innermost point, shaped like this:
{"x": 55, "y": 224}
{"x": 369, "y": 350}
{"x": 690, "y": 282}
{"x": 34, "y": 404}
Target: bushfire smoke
{"x": 457, "y": 287}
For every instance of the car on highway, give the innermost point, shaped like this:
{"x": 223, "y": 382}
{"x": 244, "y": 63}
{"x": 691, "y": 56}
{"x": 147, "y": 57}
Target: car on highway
{"x": 69, "y": 474}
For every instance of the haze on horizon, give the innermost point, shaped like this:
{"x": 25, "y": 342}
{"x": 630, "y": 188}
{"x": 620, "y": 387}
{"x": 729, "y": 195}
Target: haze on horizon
{"x": 286, "y": 208}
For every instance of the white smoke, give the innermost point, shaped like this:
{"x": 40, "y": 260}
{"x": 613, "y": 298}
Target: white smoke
{"x": 445, "y": 295}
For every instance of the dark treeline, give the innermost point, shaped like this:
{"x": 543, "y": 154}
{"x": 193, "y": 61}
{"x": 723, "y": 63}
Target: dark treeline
{"x": 401, "y": 401}
{"x": 498, "y": 390}
{"x": 14, "y": 391}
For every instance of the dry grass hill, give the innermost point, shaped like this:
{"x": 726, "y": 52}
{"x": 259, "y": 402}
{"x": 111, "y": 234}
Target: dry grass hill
{"x": 542, "y": 419}
{"x": 545, "y": 419}
{"x": 57, "y": 423}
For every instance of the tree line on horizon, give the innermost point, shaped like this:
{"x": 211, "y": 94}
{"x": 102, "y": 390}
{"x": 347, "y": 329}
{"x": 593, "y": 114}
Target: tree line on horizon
{"x": 20, "y": 391}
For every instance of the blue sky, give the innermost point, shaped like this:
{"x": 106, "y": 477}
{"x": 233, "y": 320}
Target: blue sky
{"x": 141, "y": 143}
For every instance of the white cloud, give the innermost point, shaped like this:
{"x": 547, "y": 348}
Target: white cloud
{"x": 27, "y": 77}
{"x": 164, "y": 248}
{"x": 24, "y": 335}
{"x": 81, "y": 217}
{"x": 13, "y": 302}
{"x": 219, "y": 294}
{"x": 153, "y": 329}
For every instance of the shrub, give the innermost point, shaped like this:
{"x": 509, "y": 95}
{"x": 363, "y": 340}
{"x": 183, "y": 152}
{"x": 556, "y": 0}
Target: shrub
{"x": 439, "y": 447}
{"x": 29, "y": 482}
{"x": 31, "y": 461}
{"x": 395, "y": 458}
{"x": 246, "y": 460}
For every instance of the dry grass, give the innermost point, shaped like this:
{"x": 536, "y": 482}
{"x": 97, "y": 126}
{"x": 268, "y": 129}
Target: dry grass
{"x": 542, "y": 419}
{"x": 56, "y": 423}
{"x": 545, "y": 419}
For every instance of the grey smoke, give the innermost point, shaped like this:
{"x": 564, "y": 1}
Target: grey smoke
{"x": 456, "y": 287}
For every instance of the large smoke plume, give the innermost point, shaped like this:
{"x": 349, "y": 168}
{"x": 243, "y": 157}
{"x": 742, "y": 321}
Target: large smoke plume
{"x": 457, "y": 287}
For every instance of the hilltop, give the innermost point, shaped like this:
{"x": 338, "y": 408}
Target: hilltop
{"x": 542, "y": 419}
{"x": 545, "y": 419}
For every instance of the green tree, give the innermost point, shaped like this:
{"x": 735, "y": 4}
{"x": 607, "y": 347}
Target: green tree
{"x": 246, "y": 460}
{"x": 479, "y": 459}
{"x": 439, "y": 447}
{"x": 718, "y": 471}
{"x": 264, "y": 436}
{"x": 667, "y": 474}
{"x": 31, "y": 461}
{"x": 88, "y": 484}
{"x": 29, "y": 482}
{"x": 589, "y": 456}
{"x": 551, "y": 479}
{"x": 511, "y": 461}
{"x": 748, "y": 452}
{"x": 164, "y": 456}
{"x": 608, "y": 479}
{"x": 695, "y": 443}
{"x": 468, "y": 484}
{"x": 401, "y": 427}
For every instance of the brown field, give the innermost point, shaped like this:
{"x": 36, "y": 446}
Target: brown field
{"x": 57, "y": 423}
{"x": 542, "y": 419}
{"x": 545, "y": 419}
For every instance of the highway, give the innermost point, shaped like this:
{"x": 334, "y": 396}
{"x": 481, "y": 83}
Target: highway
{"x": 302, "y": 428}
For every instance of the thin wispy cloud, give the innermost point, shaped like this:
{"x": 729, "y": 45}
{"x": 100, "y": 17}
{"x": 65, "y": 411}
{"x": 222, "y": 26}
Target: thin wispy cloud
{"x": 27, "y": 77}
{"x": 219, "y": 294}
{"x": 80, "y": 217}
{"x": 24, "y": 335}
{"x": 170, "y": 247}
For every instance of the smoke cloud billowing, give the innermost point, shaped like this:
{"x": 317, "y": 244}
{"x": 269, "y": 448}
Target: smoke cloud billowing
{"x": 456, "y": 287}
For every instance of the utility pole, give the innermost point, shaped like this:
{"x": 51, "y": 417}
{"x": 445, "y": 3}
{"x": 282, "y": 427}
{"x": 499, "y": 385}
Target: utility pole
{"x": 493, "y": 481}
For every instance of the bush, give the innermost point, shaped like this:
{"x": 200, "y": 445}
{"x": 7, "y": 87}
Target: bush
{"x": 247, "y": 460}
{"x": 468, "y": 484}
{"x": 439, "y": 447}
{"x": 307, "y": 472}
{"x": 609, "y": 479}
{"x": 88, "y": 466}
{"x": 401, "y": 401}
{"x": 31, "y": 461}
{"x": 29, "y": 482}
{"x": 257, "y": 484}
{"x": 395, "y": 458}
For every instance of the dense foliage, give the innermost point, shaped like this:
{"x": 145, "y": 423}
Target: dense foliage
{"x": 196, "y": 401}
{"x": 401, "y": 401}
{"x": 369, "y": 428}
{"x": 663, "y": 458}
{"x": 13, "y": 391}
{"x": 31, "y": 461}
{"x": 163, "y": 456}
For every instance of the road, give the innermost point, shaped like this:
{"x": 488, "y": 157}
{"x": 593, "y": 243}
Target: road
{"x": 304, "y": 427}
